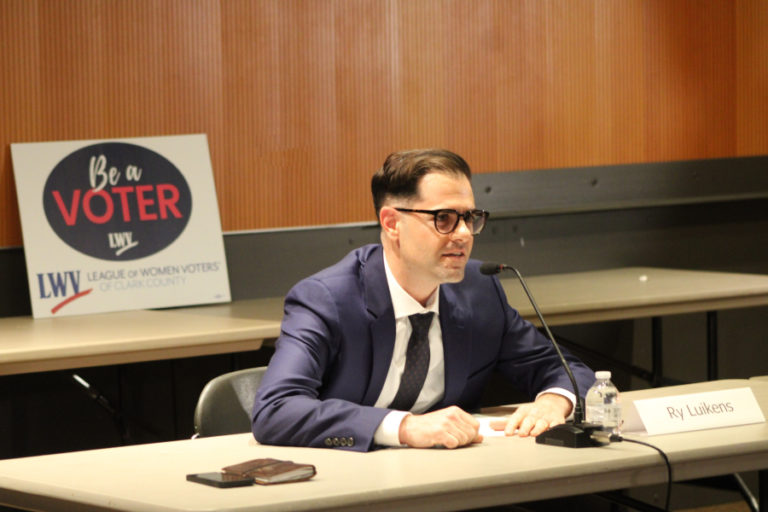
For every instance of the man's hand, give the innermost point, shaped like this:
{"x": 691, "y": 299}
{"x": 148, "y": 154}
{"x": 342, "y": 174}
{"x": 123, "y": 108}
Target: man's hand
{"x": 532, "y": 419}
{"x": 450, "y": 427}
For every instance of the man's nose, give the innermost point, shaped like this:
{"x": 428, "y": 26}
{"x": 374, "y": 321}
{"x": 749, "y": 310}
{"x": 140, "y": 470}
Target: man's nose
{"x": 462, "y": 229}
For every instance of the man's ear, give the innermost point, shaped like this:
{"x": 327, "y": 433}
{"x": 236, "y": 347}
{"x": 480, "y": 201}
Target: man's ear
{"x": 389, "y": 219}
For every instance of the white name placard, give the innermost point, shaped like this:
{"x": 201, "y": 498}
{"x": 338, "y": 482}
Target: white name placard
{"x": 699, "y": 411}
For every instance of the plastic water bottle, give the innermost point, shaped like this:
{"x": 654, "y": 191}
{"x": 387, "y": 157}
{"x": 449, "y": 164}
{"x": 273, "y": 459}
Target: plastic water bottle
{"x": 602, "y": 403}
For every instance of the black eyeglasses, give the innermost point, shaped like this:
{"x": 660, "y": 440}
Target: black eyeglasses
{"x": 446, "y": 220}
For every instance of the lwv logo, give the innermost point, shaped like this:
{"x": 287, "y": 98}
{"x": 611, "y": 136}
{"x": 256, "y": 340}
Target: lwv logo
{"x": 122, "y": 242}
{"x": 61, "y": 285}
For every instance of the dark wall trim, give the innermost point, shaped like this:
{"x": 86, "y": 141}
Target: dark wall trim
{"x": 683, "y": 214}
{"x": 613, "y": 187}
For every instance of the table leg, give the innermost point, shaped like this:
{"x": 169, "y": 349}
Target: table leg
{"x": 746, "y": 493}
{"x": 657, "y": 360}
{"x": 711, "y": 345}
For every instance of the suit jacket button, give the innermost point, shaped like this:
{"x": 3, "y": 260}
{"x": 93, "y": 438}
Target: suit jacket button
{"x": 335, "y": 441}
{"x": 328, "y": 441}
{"x": 350, "y": 441}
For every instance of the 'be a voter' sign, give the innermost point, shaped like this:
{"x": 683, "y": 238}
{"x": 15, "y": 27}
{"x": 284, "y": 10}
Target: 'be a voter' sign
{"x": 119, "y": 224}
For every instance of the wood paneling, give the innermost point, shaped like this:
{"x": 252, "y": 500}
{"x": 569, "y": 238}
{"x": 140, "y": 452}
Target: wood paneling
{"x": 302, "y": 100}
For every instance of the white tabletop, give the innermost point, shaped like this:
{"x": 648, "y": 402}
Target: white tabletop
{"x": 30, "y": 345}
{"x": 633, "y": 292}
{"x": 500, "y": 470}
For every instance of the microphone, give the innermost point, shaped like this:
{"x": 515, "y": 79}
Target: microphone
{"x": 578, "y": 434}
{"x": 488, "y": 268}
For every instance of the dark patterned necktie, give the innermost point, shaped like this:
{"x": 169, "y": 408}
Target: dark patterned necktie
{"x": 416, "y": 363}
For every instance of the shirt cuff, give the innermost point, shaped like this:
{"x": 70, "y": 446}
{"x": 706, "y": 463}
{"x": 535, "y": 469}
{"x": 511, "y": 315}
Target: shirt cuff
{"x": 562, "y": 392}
{"x": 388, "y": 433}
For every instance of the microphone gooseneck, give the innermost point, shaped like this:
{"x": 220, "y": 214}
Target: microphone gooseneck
{"x": 489, "y": 268}
{"x": 579, "y": 434}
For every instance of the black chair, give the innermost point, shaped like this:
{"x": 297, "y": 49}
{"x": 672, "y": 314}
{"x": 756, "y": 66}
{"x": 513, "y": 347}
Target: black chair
{"x": 225, "y": 404}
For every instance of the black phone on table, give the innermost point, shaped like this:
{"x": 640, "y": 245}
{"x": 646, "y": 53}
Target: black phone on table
{"x": 218, "y": 479}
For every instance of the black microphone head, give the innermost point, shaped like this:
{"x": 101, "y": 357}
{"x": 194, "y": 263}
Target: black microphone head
{"x": 489, "y": 268}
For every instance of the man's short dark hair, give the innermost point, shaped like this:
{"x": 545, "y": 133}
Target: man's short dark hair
{"x": 400, "y": 175}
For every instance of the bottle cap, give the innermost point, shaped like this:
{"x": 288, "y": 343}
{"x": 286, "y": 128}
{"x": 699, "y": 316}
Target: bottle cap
{"x": 604, "y": 374}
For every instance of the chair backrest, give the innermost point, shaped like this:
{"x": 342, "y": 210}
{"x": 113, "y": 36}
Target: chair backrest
{"x": 225, "y": 404}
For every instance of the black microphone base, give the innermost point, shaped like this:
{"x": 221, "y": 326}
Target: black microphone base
{"x": 571, "y": 435}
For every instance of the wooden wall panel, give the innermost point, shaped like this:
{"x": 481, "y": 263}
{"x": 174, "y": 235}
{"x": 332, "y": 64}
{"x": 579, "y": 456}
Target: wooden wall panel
{"x": 690, "y": 81}
{"x": 751, "y": 72}
{"x": 302, "y": 100}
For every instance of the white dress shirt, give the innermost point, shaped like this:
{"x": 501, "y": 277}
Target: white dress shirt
{"x": 434, "y": 385}
{"x": 388, "y": 433}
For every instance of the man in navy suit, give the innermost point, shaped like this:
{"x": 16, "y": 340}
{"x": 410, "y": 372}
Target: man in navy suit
{"x": 346, "y": 344}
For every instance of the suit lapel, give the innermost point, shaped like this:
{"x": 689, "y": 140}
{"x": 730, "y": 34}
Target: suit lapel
{"x": 382, "y": 317}
{"x": 457, "y": 341}
{"x": 454, "y": 323}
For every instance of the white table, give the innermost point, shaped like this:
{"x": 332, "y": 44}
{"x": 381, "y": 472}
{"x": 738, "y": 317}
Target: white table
{"x": 500, "y": 470}
{"x": 634, "y": 292}
{"x": 640, "y": 292}
{"x": 32, "y": 345}
{"x": 43, "y": 344}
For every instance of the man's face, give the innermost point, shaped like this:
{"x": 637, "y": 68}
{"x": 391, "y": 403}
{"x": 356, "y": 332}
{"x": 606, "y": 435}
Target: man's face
{"x": 430, "y": 258}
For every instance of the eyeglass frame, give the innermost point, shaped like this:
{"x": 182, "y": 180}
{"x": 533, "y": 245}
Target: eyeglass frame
{"x": 484, "y": 214}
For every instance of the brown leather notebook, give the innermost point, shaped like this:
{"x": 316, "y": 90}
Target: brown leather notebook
{"x": 268, "y": 471}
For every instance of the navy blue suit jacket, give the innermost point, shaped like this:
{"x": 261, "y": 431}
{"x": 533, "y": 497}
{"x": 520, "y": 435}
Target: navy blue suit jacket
{"x": 336, "y": 344}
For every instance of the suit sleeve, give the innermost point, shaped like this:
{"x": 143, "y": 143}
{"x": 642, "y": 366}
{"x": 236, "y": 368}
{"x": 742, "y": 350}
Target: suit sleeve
{"x": 530, "y": 361}
{"x": 288, "y": 409}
